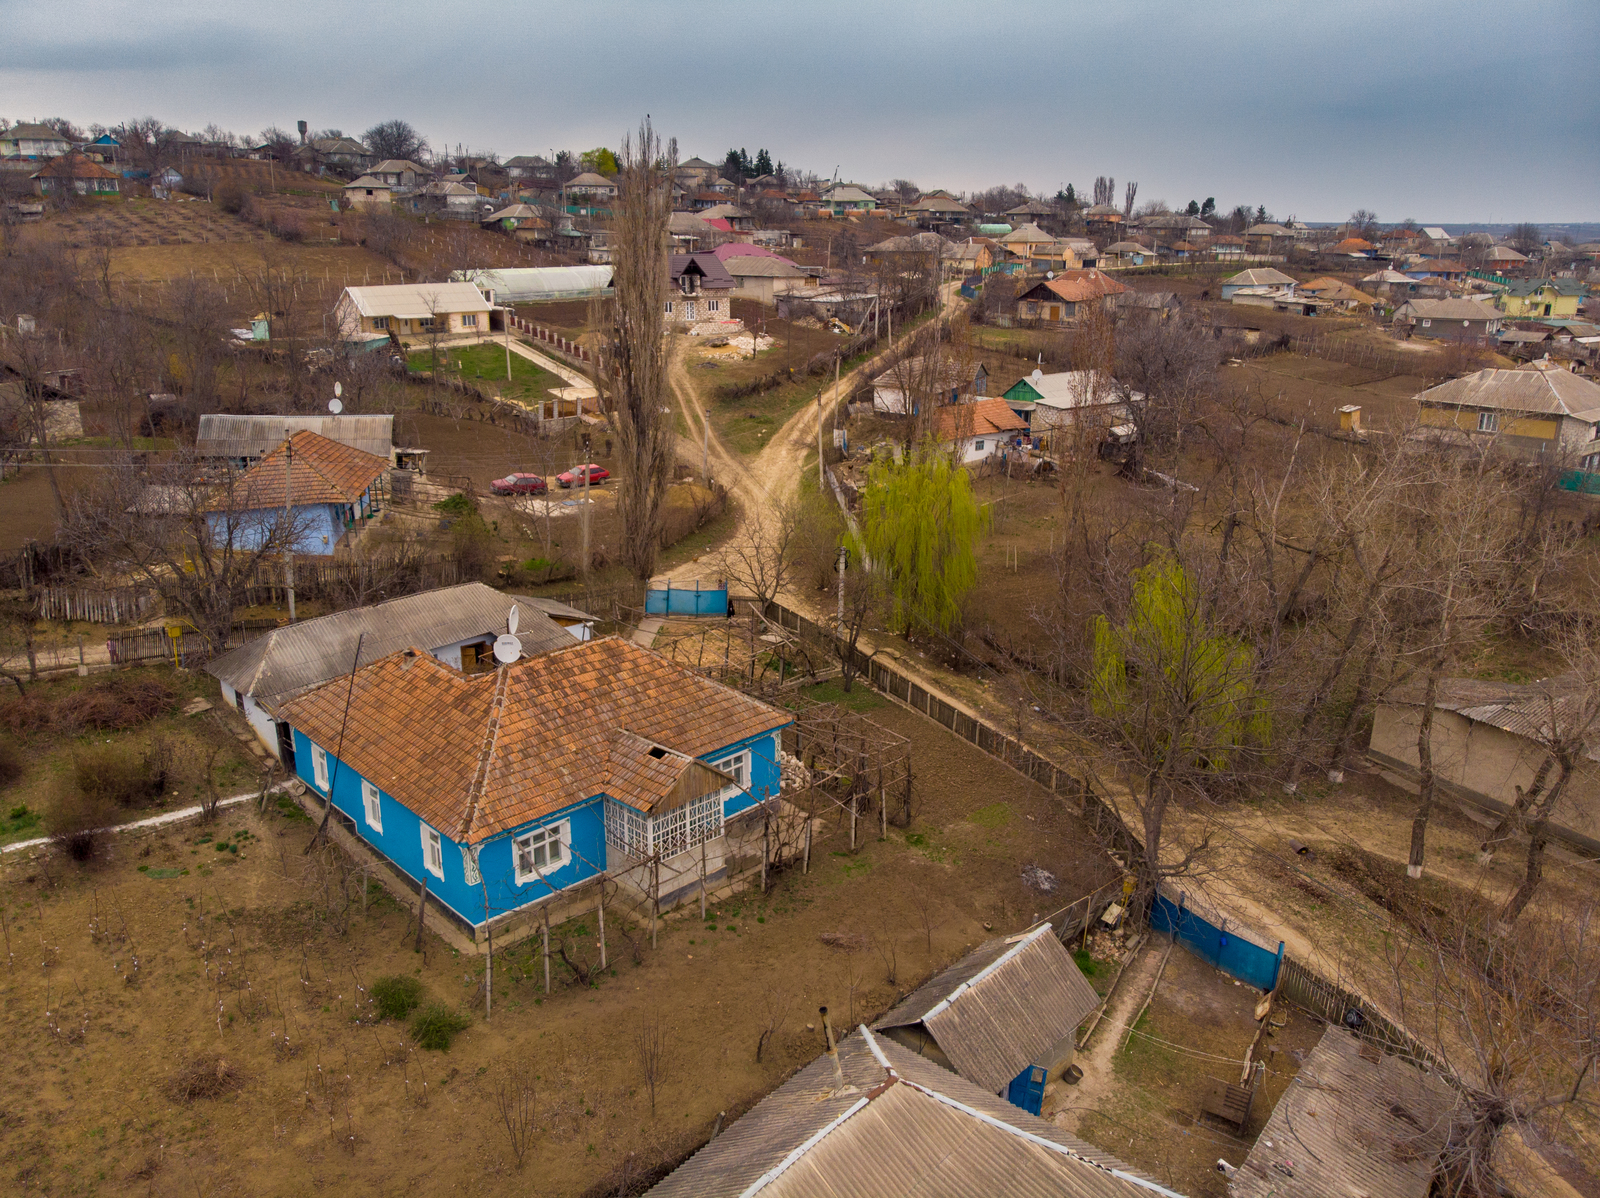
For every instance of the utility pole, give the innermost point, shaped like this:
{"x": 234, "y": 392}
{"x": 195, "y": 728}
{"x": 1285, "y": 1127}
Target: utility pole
{"x": 844, "y": 554}
{"x": 505, "y": 325}
{"x": 288, "y": 518}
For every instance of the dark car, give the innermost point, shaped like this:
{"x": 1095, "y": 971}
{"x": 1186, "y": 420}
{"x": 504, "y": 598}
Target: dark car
{"x": 520, "y": 484}
{"x": 574, "y": 477}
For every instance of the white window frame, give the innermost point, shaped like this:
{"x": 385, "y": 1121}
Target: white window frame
{"x": 669, "y": 307}
{"x": 737, "y": 766}
{"x": 319, "y": 767}
{"x": 469, "y": 320}
{"x": 713, "y": 305}
{"x": 1488, "y": 422}
{"x": 1427, "y": 324}
{"x": 372, "y": 806}
{"x": 558, "y": 833}
{"x": 380, "y": 324}
{"x": 432, "y": 852}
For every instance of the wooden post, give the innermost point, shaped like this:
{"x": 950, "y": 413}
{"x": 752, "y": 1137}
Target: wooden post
{"x": 852, "y": 818}
{"x": 883, "y": 807}
{"x": 702, "y": 880}
{"x": 422, "y": 905}
{"x": 602, "y": 923}
{"x": 764, "y": 850}
{"x": 488, "y": 964}
{"x": 655, "y": 897}
{"x": 806, "y": 868}
{"x": 546, "y": 934}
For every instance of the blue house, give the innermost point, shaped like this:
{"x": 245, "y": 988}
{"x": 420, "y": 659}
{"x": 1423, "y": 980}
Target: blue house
{"x": 503, "y": 789}
{"x": 328, "y": 489}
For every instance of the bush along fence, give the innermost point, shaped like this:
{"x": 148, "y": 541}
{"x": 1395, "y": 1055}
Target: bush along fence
{"x": 1210, "y": 934}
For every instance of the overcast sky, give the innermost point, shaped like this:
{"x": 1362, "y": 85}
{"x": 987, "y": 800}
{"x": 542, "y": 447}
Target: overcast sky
{"x": 1440, "y": 111}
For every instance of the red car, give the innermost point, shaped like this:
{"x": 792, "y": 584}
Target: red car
{"x": 574, "y": 477}
{"x": 520, "y": 484}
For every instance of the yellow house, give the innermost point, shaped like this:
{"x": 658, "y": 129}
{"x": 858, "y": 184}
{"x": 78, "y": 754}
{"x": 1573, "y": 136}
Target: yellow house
{"x": 1540, "y": 410}
{"x": 412, "y": 310}
{"x": 1534, "y": 298}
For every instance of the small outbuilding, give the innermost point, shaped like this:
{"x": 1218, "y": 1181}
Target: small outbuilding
{"x": 1004, "y": 1017}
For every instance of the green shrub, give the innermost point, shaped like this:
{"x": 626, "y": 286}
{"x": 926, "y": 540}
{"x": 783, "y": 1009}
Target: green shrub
{"x": 116, "y": 774}
{"x": 436, "y": 1025}
{"x": 230, "y": 198}
{"x": 397, "y": 996}
{"x": 456, "y": 505}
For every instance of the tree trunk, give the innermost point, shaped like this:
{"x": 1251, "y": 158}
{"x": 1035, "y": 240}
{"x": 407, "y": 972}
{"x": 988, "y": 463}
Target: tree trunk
{"x": 1341, "y": 744}
{"x": 1427, "y": 783}
{"x": 1538, "y": 837}
{"x": 1512, "y": 820}
{"x": 1319, "y": 696}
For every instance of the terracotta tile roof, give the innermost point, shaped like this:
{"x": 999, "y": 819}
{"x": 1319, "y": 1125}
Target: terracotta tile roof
{"x": 478, "y": 755}
{"x": 981, "y": 418}
{"x": 1075, "y": 286}
{"x": 319, "y": 470}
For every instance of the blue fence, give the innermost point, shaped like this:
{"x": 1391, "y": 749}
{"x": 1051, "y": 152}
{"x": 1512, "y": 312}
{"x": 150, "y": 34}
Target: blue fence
{"x": 669, "y": 600}
{"x": 1228, "y": 951}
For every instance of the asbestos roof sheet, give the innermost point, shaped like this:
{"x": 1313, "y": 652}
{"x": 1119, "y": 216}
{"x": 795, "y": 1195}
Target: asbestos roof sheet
{"x": 1552, "y": 392}
{"x": 1261, "y": 276}
{"x": 1078, "y": 389}
{"x": 899, "y": 1125}
{"x": 308, "y": 468}
{"x": 417, "y": 300}
{"x": 478, "y": 755}
{"x": 995, "y": 1011}
{"x": 229, "y": 436}
{"x": 1348, "y": 1125}
{"x": 291, "y": 659}
{"x": 1534, "y": 710}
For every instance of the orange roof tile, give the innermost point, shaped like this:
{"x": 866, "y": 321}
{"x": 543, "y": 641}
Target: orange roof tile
{"x": 478, "y": 755}
{"x": 981, "y": 418}
{"x": 320, "y": 470}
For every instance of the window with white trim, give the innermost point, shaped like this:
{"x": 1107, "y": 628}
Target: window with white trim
{"x": 544, "y": 849}
{"x": 373, "y": 805}
{"x": 669, "y": 833}
{"x": 1427, "y": 324}
{"x": 669, "y": 307}
{"x": 469, "y": 865}
{"x": 380, "y": 324}
{"x": 713, "y": 305}
{"x": 432, "y": 852}
{"x": 319, "y": 767}
{"x": 470, "y": 320}
{"x": 737, "y": 767}
{"x": 1488, "y": 422}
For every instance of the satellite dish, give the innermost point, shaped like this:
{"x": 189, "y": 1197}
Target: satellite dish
{"x": 507, "y": 649}
{"x": 1049, "y": 274}
{"x": 336, "y": 406}
{"x": 1037, "y": 375}
{"x": 511, "y": 620}
{"x": 338, "y": 390}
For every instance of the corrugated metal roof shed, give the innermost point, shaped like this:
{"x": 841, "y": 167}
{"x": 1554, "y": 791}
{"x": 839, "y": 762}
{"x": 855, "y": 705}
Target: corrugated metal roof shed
{"x": 1534, "y": 710}
{"x": 901, "y": 1125}
{"x": 1348, "y": 1124}
{"x": 225, "y": 436}
{"x": 291, "y": 659}
{"x": 995, "y": 1011}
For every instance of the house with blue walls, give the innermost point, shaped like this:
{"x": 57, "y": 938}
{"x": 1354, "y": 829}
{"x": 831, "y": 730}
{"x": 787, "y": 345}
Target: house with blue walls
{"x": 503, "y": 789}
{"x": 323, "y": 489}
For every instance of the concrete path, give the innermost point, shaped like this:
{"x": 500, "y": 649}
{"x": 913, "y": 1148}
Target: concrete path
{"x": 645, "y": 634}
{"x": 155, "y": 821}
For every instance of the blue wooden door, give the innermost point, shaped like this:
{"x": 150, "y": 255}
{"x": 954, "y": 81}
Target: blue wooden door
{"x": 1027, "y": 1089}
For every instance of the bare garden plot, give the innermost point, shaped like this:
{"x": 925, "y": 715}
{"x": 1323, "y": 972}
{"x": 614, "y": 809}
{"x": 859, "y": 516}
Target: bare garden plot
{"x": 1163, "y": 1059}
{"x": 216, "y": 1016}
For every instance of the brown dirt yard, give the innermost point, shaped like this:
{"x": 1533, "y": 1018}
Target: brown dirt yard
{"x": 234, "y": 952}
{"x": 1198, "y": 1026}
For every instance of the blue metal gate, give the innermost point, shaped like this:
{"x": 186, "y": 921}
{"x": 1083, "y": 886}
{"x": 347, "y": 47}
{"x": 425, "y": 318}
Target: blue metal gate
{"x": 1228, "y": 951}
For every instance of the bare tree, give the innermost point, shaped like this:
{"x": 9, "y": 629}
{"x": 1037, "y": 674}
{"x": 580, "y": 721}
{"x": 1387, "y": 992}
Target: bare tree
{"x": 775, "y": 1008}
{"x": 762, "y": 558}
{"x": 644, "y": 202}
{"x": 516, "y": 1104}
{"x": 650, "y": 1048}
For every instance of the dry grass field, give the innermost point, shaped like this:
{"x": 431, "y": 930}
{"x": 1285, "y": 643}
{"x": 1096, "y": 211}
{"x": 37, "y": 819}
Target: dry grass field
{"x": 194, "y": 1013}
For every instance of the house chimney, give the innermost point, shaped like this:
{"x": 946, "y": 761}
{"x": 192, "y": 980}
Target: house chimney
{"x": 833, "y": 1051}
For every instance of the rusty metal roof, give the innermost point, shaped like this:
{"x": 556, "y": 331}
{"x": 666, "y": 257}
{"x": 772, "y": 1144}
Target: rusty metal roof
{"x": 1349, "y": 1124}
{"x": 995, "y": 1011}
{"x": 296, "y": 657}
{"x": 899, "y": 1125}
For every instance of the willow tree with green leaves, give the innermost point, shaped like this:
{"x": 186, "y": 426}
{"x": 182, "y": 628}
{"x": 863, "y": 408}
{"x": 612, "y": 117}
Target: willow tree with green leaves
{"x": 919, "y": 526}
{"x": 1176, "y": 697}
